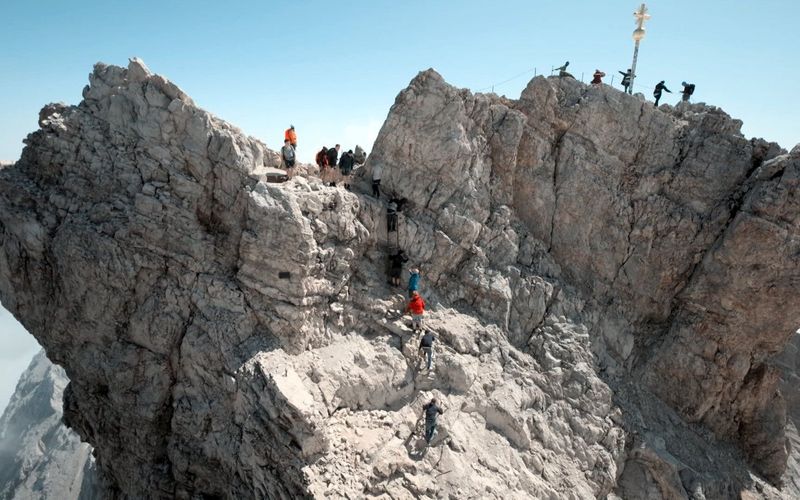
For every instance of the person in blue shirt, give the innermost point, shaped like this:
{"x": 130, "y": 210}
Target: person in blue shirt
{"x": 413, "y": 281}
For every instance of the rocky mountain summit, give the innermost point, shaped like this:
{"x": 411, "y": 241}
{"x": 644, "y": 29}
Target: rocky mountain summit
{"x": 608, "y": 283}
{"x": 40, "y": 457}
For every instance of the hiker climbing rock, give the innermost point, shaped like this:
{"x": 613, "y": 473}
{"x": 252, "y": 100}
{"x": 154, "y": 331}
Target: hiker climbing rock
{"x": 396, "y": 261}
{"x": 333, "y": 160}
{"x": 657, "y": 91}
{"x": 688, "y": 90}
{"x": 288, "y": 158}
{"x": 426, "y": 346}
{"x": 377, "y": 170}
{"x": 360, "y": 155}
{"x": 626, "y": 80}
{"x": 346, "y": 167}
{"x": 432, "y": 412}
{"x": 413, "y": 281}
{"x": 416, "y": 306}
{"x": 291, "y": 136}
{"x": 597, "y": 78}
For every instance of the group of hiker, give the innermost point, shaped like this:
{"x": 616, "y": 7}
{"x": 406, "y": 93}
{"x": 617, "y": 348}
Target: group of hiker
{"x": 627, "y": 76}
{"x": 337, "y": 169}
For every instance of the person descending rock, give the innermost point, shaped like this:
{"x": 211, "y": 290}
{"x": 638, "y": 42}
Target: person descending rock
{"x": 597, "y": 77}
{"x": 657, "y": 91}
{"x": 688, "y": 90}
{"x": 360, "y": 155}
{"x": 432, "y": 412}
{"x": 346, "y": 167}
{"x": 322, "y": 162}
{"x": 426, "y": 346}
{"x": 333, "y": 159}
{"x": 391, "y": 216}
{"x": 626, "y": 80}
{"x": 396, "y": 261}
{"x": 288, "y": 157}
{"x": 291, "y": 136}
{"x": 377, "y": 170}
{"x": 416, "y": 306}
{"x": 413, "y": 281}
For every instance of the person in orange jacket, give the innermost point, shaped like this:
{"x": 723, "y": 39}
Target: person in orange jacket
{"x": 416, "y": 306}
{"x": 291, "y": 136}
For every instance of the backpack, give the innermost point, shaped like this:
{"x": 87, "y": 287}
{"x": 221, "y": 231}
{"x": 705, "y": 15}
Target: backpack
{"x": 689, "y": 89}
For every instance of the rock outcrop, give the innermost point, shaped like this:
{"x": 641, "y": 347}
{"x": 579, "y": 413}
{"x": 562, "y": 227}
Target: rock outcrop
{"x": 39, "y": 457}
{"x": 603, "y": 279}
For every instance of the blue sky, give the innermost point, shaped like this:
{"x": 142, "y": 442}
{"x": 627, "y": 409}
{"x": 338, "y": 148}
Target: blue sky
{"x": 333, "y": 69}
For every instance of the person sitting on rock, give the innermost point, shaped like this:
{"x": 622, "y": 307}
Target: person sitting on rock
{"x": 432, "y": 412}
{"x": 416, "y": 306}
{"x": 562, "y": 71}
{"x": 346, "y": 167}
{"x": 413, "y": 281}
{"x": 659, "y": 88}
{"x": 288, "y": 158}
{"x": 291, "y": 136}
{"x": 426, "y": 346}
{"x": 597, "y": 78}
{"x": 396, "y": 262}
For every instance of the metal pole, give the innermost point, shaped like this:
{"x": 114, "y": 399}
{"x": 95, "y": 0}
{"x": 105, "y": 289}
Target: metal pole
{"x": 633, "y": 66}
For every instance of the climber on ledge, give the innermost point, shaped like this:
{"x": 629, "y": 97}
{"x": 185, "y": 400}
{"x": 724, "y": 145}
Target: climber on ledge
{"x": 432, "y": 412}
{"x": 416, "y": 306}
{"x": 346, "y": 168}
{"x": 426, "y": 346}
{"x": 396, "y": 261}
{"x": 291, "y": 136}
{"x": 391, "y": 216}
{"x": 626, "y": 80}
{"x": 657, "y": 91}
{"x": 597, "y": 77}
{"x": 377, "y": 170}
{"x": 688, "y": 90}
{"x": 333, "y": 159}
{"x": 413, "y": 281}
{"x": 288, "y": 158}
{"x": 562, "y": 71}
{"x": 322, "y": 162}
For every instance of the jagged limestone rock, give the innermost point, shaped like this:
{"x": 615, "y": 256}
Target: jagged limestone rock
{"x": 229, "y": 337}
{"x": 39, "y": 457}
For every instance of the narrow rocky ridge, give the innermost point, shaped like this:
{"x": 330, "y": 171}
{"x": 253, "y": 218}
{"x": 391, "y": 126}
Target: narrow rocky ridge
{"x": 582, "y": 251}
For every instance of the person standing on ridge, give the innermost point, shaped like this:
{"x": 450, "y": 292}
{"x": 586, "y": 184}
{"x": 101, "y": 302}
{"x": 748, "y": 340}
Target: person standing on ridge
{"x": 288, "y": 158}
{"x": 346, "y": 167}
{"x": 291, "y": 136}
{"x": 432, "y": 412}
{"x": 413, "y": 281}
{"x": 626, "y": 80}
{"x": 377, "y": 170}
{"x": 322, "y": 162}
{"x": 416, "y": 306}
{"x": 657, "y": 91}
{"x": 396, "y": 261}
{"x": 597, "y": 77}
{"x": 688, "y": 90}
{"x": 426, "y": 346}
{"x": 333, "y": 159}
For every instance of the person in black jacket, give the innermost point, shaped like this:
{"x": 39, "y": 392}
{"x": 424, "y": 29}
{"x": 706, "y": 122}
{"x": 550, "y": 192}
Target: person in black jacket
{"x": 657, "y": 91}
{"x": 688, "y": 90}
{"x": 346, "y": 167}
{"x": 432, "y": 412}
{"x": 333, "y": 159}
{"x": 426, "y": 346}
{"x": 396, "y": 261}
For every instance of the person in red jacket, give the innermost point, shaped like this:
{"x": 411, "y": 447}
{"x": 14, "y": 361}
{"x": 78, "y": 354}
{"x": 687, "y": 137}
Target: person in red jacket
{"x": 416, "y": 306}
{"x": 291, "y": 136}
{"x": 598, "y": 77}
